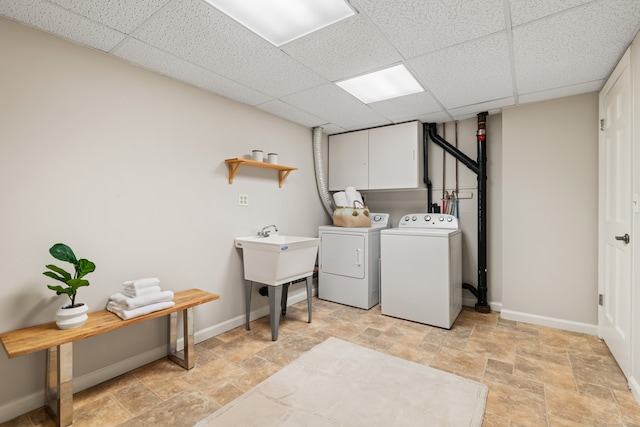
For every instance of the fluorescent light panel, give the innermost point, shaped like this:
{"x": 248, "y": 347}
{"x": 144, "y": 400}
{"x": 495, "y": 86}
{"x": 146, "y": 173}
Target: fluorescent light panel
{"x": 281, "y": 21}
{"x": 380, "y": 85}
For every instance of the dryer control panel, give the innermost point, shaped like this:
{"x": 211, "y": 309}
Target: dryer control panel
{"x": 379, "y": 219}
{"x": 429, "y": 220}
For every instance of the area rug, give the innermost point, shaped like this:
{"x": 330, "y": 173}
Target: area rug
{"x": 338, "y": 383}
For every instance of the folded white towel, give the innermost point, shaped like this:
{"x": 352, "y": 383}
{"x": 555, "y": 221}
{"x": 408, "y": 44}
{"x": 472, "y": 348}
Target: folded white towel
{"x": 115, "y": 308}
{"x": 131, "y": 303}
{"x": 340, "y": 198}
{"x": 353, "y": 195}
{"x": 143, "y": 283}
{"x": 131, "y": 292}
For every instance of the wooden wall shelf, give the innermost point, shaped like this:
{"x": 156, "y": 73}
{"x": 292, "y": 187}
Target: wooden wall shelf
{"x": 234, "y": 165}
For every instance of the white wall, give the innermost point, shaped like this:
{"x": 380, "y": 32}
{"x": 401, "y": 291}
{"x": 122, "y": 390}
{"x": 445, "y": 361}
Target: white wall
{"x": 550, "y": 212}
{"x": 127, "y": 167}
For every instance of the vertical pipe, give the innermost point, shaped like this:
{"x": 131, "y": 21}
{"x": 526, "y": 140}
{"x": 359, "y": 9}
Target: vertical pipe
{"x": 482, "y": 305}
{"x": 425, "y": 158}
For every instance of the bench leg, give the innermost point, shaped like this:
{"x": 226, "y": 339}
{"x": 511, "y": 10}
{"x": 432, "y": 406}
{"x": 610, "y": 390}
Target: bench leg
{"x": 188, "y": 361}
{"x": 59, "y": 384}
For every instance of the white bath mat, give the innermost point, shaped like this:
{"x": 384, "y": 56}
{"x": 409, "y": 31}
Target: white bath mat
{"x": 342, "y": 384}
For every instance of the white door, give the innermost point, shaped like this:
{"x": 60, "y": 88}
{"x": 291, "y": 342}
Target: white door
{"x": 615, "y": 205}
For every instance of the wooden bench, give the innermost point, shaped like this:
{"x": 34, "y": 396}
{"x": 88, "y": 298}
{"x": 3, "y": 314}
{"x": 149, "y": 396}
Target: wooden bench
{"x": 58, "y": 344}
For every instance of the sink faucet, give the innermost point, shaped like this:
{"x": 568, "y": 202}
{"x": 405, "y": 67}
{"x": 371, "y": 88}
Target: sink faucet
{"x": 265, "y": 233}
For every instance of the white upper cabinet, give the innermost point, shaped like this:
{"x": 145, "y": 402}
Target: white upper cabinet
{"x": 349, "y": 160}
{"x": 388, "y": 157}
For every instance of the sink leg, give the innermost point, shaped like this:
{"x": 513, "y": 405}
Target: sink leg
{"x": 309, "y": 295}
{"x": 275, "y": 299}
{"x": 247, "y": 300}
{"x": 285, "y": 297}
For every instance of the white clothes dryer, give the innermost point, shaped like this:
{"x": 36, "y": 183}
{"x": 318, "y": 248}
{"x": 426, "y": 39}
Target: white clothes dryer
{"x": 421, "y": 269}
{"x": 349, "y": 263}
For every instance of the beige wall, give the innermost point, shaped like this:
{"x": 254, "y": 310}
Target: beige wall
{"x": 550, "y": 211}
{"x": 127, "y": 167}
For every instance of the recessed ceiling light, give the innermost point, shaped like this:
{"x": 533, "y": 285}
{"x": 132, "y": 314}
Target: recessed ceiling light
{"x": 380, "y": 85}
{"x": 281, "y": 21}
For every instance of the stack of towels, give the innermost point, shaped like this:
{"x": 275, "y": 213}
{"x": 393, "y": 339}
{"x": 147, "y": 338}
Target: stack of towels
{"x": 140, "y": 297}
{"x": 347, "y": 197}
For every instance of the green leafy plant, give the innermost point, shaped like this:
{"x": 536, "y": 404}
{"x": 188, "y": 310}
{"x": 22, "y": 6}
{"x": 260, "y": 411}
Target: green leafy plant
{"x": 82, "y": 267}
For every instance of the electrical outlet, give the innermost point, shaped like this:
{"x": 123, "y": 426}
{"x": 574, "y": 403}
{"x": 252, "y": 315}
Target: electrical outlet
{"x": 243, "y": 200}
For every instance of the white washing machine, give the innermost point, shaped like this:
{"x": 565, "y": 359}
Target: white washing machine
{"x": 349, "y": 263}
{"x": 421, "y": 269}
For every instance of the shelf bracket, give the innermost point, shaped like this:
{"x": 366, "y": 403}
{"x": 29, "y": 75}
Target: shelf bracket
{"x": 233, "y": 170}
{"x": 282, "y": 176}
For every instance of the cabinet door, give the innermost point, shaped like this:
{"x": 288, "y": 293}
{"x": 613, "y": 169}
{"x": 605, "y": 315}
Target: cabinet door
{"x": 394, "y": 156}
{"x": 349, "y": 160}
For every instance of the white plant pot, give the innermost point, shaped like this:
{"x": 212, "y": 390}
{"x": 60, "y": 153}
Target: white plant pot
{"x": 71, "y": 317}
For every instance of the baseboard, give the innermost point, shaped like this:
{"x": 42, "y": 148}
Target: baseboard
{"x": 534, "y": 319}
{"x": 35, "y": 400}
{"x": 471, "y": 302}
{"x": 635, "y": 388}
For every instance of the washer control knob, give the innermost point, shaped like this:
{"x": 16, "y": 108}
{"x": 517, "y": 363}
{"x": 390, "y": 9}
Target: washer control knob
{"x": 406, "y": 218}
{"x": 427, "y": 218}
{"x": 449, "y": 219}
{"x": 414, "y": 218}
{"x": 441, "y": 219}
{"x": 377, "y": 217}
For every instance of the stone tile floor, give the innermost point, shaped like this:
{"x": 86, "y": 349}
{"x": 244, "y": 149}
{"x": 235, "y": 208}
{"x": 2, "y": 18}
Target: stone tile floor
{"x": 537, "y": 376}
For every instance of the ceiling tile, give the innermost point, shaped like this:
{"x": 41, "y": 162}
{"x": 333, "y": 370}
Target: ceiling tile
{"x": 336, "y": 106}
{"x": 54, "y": 19}
{"x": 523, "y": 11}
{"x": 204, "y": 36}
{"x": 594, "y": 86}
{"x": 468, "y": 73}
{"x": 471, "y": 110}
{"x": 438, "y": 117}
{"x": 399, "y": 108}
{"x": 164, "y": 63}
{"x": 122, "y": 15}
{"x": 348, "y": 48}
{"x": 291, "y": 113}
{"x": 571, "y": 48}
{"x": 331, "y": 129}
{"x": 416, "y": 27}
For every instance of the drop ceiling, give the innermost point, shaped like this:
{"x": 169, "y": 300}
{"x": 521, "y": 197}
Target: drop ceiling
{"x": 469, "y": 55}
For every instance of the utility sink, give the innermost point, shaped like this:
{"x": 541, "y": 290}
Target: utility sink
{"x": 278, "y": 259}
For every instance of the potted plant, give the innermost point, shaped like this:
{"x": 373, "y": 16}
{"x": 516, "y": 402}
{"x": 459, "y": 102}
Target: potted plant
{"x": 74, "y": 314}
